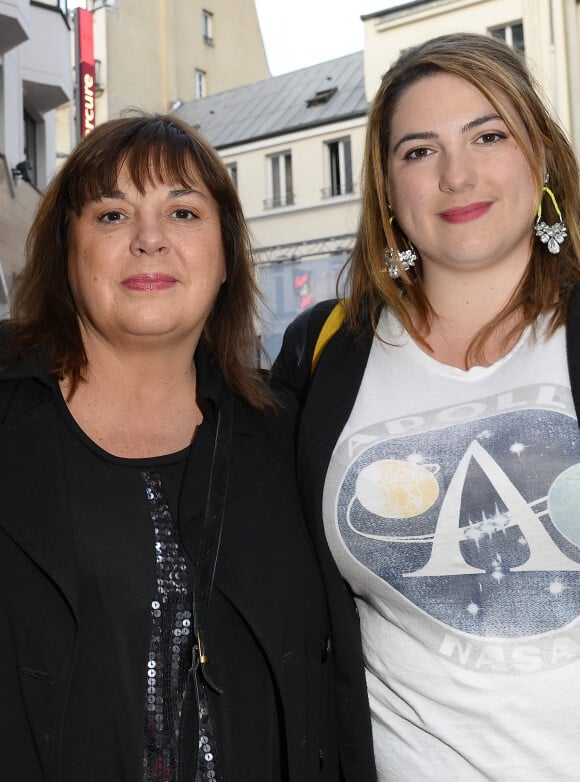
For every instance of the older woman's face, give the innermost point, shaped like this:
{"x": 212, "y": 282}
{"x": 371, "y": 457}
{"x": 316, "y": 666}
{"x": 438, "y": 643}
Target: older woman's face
{"x": 459, "y": 184}
{"x": 146, "y": 267}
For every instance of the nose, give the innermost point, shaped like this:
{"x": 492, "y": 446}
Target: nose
{"x": 149, "y": 236}
{"x": 456, "y": 173}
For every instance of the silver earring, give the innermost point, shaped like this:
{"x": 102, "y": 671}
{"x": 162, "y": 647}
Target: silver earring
{"x": 552, "y": 235}
{"x": 394, "y": 261}
{"x": 404, "y": 259}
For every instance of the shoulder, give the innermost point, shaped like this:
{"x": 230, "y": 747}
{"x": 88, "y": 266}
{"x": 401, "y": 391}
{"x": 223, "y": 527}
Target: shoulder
{"x": 303, "y": 330}
{"x": 24, "y": 383}
{"x": 6, "y": 342}
{"x": 291, "y": 368}
{"x": 269, "y": 432}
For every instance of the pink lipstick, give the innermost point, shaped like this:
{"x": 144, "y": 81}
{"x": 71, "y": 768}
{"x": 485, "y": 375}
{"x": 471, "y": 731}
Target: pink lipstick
{"x": 463, "y": 214}
{"x": 153, "y": 281}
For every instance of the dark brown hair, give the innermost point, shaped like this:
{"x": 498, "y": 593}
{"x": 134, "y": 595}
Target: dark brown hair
{"x": 160, "y": 148}
{"x": 499, "y": 72}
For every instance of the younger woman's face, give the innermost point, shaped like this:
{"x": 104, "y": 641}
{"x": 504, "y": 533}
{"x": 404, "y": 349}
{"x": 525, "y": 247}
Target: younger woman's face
{"x": 460, "y": 187}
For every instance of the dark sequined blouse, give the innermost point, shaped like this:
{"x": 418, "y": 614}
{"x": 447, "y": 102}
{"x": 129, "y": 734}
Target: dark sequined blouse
{"x": 135, "y": 591}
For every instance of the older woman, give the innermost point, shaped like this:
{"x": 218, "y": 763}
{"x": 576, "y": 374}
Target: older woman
{"x": 439, "y": 448}
{"x": 161, "y": 612}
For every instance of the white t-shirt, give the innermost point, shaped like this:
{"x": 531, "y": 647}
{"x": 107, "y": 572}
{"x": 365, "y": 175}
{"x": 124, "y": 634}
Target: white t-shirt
{"x": 452, "y": 507}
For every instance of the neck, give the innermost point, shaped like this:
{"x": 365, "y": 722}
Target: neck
{"x": 462, "y": 306}
{"x": 137, "y": 404}
{"x": 476, "y": 296}
{"x": 140, "y": 364}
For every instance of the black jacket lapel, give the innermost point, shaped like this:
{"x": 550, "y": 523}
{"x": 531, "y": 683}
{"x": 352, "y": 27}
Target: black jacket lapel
{"x": 38, "y": 521}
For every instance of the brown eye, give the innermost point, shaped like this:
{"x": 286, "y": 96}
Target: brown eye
{"x": 111, "y": 217}
{"x": 184, "y": 214}
{"x": 418, "y": 153}
{"x": 486, "y": 139}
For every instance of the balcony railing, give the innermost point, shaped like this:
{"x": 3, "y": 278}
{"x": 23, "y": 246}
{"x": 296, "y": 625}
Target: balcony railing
{"x": 277, "y": 201}
{"x": 333, "y": 190}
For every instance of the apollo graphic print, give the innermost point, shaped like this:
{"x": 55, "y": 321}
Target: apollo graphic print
{"x": 472, "y": 514}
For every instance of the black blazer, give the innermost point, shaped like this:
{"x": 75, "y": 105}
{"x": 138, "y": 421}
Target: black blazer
{"x": 267, "y": 570}
{"x": 327, "y": 397}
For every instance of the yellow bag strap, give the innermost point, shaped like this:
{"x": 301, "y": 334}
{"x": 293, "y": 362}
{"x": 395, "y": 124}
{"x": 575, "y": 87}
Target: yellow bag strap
{"x": 329, "y": 328}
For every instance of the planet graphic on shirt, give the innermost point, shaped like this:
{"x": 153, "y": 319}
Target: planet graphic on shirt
{"x": 398, "y": 489}
{"x": 564, "y": 502}
{"x": 475, "y": 523}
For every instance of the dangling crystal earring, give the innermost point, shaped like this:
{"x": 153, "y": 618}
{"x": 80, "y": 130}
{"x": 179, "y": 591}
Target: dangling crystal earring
{"x": 552, "y": 235}
{"x": 404, "y": 258}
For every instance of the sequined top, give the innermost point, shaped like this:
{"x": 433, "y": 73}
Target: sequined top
{"x": 135, "y": 586}
{"x": 170, "y": 652}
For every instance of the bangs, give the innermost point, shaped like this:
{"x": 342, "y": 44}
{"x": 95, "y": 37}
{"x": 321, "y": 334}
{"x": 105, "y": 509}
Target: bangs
{"x": 152, "y": 152}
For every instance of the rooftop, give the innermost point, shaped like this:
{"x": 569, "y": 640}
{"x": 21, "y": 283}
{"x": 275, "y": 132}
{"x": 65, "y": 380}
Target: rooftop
{"x": 328, "y": 92}
{"x": 394, "y": 9}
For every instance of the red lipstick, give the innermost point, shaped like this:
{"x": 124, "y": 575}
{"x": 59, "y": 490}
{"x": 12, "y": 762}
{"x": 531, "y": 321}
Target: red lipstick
{"x": 463, "y": 214}
{"x": 149, "y": 281}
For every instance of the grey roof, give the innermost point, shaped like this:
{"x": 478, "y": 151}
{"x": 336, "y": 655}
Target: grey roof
{"x": 393, "y": 9}
{"x": 279, "y": 104}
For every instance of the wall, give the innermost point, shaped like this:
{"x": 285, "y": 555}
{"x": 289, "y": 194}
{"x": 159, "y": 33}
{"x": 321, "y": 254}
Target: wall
{"x": 17, "y": 208}
{"x": 149, "y": 51}
{"x": 312, "y": 216}
{"x": 550, "y": 41}
{"x": 35, "y": 76}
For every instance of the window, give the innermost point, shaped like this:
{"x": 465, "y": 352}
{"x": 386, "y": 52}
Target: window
{"x": 233, "y": 172}
{"x": 30, "y": 145}
{"x": 339, "y": 168}
{"x": 199, "y": 83}
{"x": 207, "y": 27}
{"x": 322, "y": 96}
{"x": 512, "y": 34}
{"x": 280, "y": 181}
{"x": 58, "y": 5}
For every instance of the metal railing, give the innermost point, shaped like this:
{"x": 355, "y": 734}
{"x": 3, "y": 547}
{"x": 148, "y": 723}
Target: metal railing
{"x": 277, "y": 201}
{"x": 333, "y": 190}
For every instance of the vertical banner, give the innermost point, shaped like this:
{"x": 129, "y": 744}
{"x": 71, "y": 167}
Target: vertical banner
{"x": 85, "y": 71}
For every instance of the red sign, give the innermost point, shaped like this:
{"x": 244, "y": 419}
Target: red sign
{"x": 85, "y": 71}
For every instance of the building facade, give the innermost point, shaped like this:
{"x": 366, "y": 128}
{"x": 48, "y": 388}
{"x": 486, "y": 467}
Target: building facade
{"x": 158, "y": 54}
{"x": 546, "y": 31}
{"x": 150, "y": 55}
{"x": 293, "y": 145}
{"x": 35, "y": 78}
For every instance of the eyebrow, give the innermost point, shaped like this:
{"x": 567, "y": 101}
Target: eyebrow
{"x": 113, "y": 194}
{"x": 118, "y": 194}
{"x": 186, "y": 192}
{"x": 425, "y": 135}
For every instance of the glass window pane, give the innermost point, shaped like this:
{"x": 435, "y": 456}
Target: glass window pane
{"x": 518, "y": 36}
{"x": 288, "y": 171}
